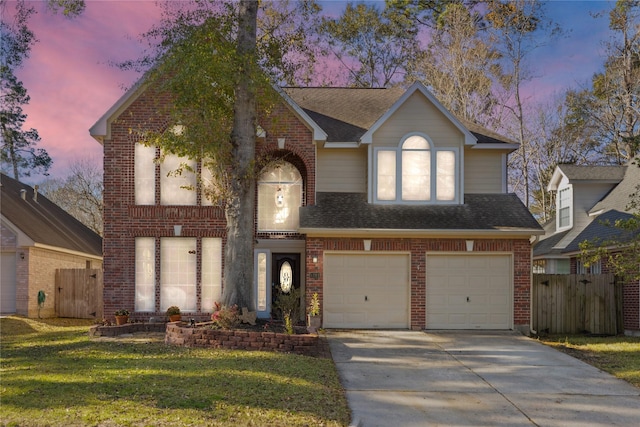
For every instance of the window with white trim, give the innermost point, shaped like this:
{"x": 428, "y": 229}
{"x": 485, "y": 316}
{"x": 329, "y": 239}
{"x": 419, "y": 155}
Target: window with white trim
{"x": 564, "y": 208}
{"x": 178, "y": 273}
{"x": 415, "y": 171}
{"x": 279, "y": 198}
{"x": 178, "y": 183}
{"x": 145, "y": 264}
{"x": 593, "y": 268}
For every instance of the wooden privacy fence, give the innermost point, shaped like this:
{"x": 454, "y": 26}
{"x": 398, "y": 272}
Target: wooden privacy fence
{"x": 577, "y": 303}
{"x": 79, "y": 293}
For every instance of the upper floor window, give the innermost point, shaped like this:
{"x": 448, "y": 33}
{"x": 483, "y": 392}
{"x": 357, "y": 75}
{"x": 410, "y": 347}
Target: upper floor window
{"x": 594, "y": 268}
{"x": 564, "y": 208}
{"x": 279, "y": 197}
{"x": 415, "y": 171}
{"x": 178, "y": 183}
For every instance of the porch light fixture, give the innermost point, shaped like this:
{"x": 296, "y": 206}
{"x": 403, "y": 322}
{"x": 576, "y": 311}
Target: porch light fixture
{"x": 177, "y": 230}
{"x": 469, "y": 245}
{"x": 281, "y": 143}
{"x": 367, "y": 244}
{"x": 21, "y": 255}
{"x": 315, "y": 259}
{"x": 260, "y": 132}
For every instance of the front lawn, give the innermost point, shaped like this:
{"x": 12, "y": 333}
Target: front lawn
{"x": 53, "y": 374}
{"x": 619, "y": 355}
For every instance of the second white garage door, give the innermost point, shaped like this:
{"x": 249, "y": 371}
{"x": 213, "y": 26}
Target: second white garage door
{"x": 366, "y": 291}
{"x": 469, "y": 292}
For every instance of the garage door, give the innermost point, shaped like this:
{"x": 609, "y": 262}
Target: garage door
{"x": 8, "y": 283}
{"x": 366, "y": 291}
{"x": 469, "y": 292}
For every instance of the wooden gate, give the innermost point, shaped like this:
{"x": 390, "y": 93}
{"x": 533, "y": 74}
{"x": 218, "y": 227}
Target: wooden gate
{"x": 577, "y": 303}
{"x": 79, "y": 293}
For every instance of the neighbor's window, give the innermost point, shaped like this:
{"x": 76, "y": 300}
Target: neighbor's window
{"x": 564, "y": 207}
{"x": 178, "y": 256}
{"x": 279, "y": 198}
{"x": 595, "y": 268}
{"x": 539, "y": 266}
{"x": 415, "y": 172}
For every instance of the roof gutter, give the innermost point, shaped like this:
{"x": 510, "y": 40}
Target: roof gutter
{"x": 503, "y": 233}
{"x": 67, "y": 251}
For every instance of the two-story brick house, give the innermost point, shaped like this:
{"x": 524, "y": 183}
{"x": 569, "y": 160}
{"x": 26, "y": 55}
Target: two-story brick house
{"x": 395, "y": 212}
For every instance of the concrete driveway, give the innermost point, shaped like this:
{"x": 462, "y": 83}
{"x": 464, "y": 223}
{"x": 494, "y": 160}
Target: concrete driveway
{"x": 412, "y": 378}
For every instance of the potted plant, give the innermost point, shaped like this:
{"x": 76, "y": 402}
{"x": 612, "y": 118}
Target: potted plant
{"x": 122, "y": 316}
{"x": 313, "y": 313}
{"x": 174, "y": 313}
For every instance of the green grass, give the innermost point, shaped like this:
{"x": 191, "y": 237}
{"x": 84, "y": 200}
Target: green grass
{"x": 618, "y": 355}
{"x": 53, "y": 374}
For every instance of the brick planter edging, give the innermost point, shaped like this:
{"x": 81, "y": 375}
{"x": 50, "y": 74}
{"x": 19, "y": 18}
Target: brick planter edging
{"x": 129, "y": 328}
{"x": 305, "y": 344}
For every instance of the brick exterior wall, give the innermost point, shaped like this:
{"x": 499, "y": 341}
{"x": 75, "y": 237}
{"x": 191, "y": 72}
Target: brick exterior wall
{"x": 36, "y": 271}
{"x": 520, "y": 248}
{"x": 124, "y": 221}
{"x": 631, "y": 307}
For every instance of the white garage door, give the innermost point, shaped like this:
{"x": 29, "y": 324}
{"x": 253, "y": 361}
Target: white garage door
{"x": 8, "y": 283}
{"x": 366, "y": 291}
{"x": 469, "y": 292}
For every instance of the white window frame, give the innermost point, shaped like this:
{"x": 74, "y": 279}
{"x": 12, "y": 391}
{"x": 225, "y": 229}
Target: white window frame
{"x": 433, "y": 180}
{"x": 145, "y": 270}
{"x": 594, "y": 268}
{"x": 559, "y": 206}
{"x": 146, "y": 179}
{"x": 266, "y": 226}
{"x": 262, "y": 283}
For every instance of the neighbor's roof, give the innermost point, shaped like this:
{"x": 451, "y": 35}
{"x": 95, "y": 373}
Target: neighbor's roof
{"x": 479, "y": 213}
{"x": 602, "y": 229}
{"x": 620, "y": 196}
{"x": 346, "y": 114}
{"x": 593, "y": 173}
{"x": 45, "y": 222}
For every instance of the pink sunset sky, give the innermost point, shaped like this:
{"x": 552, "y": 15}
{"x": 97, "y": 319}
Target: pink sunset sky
{"x": 72, "y": 85}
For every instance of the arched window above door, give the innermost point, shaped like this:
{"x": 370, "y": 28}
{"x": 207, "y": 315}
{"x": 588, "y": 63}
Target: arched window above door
{"x": 279, "y": 197}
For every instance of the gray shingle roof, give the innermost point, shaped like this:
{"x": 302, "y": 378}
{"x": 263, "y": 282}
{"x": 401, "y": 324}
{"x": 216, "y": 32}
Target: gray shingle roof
{"x": 593, "y": 173}
{"x": 544, "y": 247}
{"x": 620, "y": 196}
{"x": 44, "y": 221}
{"x": 345, "y": 114}
{"x": 480, "y": 212}
{"x": 602, "y": 228}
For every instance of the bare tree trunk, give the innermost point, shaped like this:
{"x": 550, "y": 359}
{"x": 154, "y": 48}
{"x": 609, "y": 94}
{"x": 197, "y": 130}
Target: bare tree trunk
{"x": 239, "y": 211}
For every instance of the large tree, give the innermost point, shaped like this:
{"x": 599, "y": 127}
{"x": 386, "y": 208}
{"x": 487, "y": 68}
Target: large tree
{"x": 460, "y": 66}
{"x": 219, "y": 69}
{"x": 518, "y": 28}
{"x": 79, "y": 192}
{"x": 18, "y": 151}
{"x": 608, "y": 112}
{"x": 374, "y": 46}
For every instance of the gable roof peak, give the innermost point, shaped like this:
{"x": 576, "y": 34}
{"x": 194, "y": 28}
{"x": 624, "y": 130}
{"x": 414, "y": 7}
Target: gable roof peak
{"x": 469, "y": 138}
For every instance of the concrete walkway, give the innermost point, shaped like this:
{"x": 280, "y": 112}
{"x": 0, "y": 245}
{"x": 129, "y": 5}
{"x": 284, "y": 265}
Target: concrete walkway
{"x": 411, "y": 378}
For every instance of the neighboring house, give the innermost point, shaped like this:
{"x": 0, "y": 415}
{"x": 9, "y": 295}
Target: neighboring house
{"x": 587, "y": 199}
{"x": 38, "y": 237}
{"x": 395, "y": 212}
